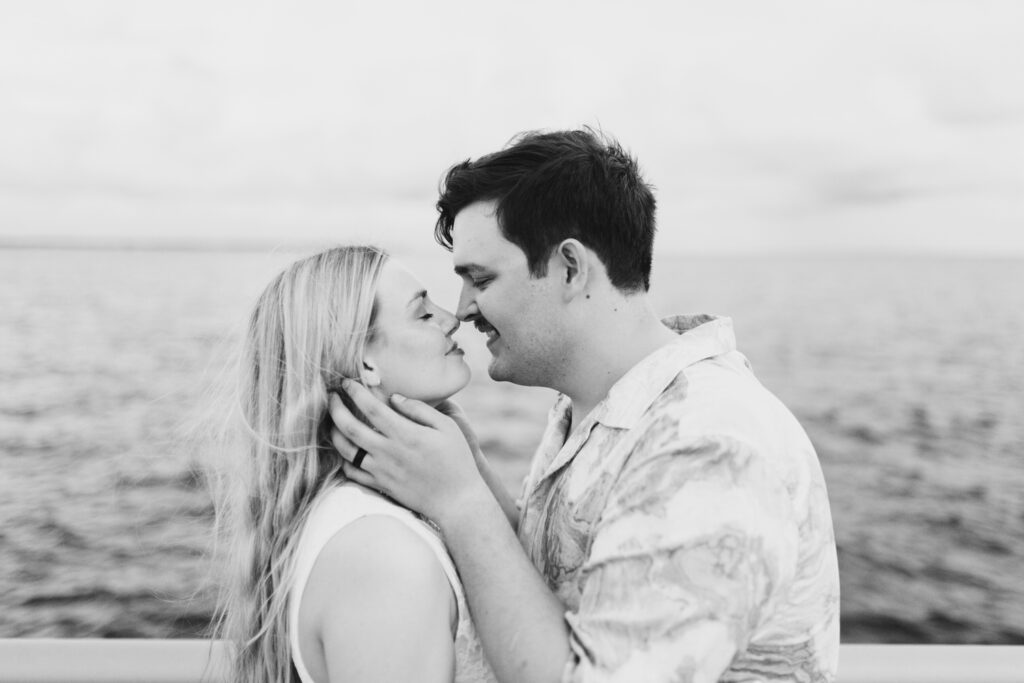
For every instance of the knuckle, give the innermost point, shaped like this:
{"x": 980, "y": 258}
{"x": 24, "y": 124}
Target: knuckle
{"x": 371, "y": 410}
{"x": 348, "y": 430}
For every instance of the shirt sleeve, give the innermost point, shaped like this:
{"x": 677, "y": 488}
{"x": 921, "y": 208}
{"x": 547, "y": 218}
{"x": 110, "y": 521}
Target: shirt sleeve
{"x": 694, "y": 542}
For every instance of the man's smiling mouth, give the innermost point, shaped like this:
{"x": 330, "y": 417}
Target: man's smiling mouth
{"x": 486, "y": 328}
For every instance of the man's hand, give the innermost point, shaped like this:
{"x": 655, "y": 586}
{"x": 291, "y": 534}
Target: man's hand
{"x": 417, "y": 455}
{"x": 454, "y": 411}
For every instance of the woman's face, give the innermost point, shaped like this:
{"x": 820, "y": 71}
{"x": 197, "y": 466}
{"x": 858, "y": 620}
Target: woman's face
{"x": 412, "y": 352}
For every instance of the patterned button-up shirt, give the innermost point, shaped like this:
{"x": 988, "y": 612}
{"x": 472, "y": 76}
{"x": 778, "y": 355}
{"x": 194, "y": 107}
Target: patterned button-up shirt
{"x": 685, "y": 525}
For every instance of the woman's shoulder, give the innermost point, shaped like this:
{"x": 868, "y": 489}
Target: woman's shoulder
{"x": 378, "y": 560}
{"x": 355, "y": 499}
{"x": 353, "y": 530}
{"x": 380, "y": 542}
{"x": 356, "y": 526}
{"x": 341, "y": 505}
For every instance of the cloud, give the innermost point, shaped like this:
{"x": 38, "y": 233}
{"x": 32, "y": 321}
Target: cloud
{"x": 148, "y": 116}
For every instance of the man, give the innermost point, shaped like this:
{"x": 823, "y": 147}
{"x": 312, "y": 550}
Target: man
{"x": 674, "y": 525}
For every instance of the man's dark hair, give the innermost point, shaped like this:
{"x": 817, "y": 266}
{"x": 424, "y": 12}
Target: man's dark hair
{"x": 549, "y": 187}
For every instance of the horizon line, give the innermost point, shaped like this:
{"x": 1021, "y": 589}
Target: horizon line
{"x": 253, "y": 246}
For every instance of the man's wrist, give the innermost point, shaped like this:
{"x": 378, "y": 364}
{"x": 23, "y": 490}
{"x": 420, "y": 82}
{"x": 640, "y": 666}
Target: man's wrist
{"x": 465, "y": 508}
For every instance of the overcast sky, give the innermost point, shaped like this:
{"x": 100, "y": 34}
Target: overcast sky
{"x": 894, "y": 125}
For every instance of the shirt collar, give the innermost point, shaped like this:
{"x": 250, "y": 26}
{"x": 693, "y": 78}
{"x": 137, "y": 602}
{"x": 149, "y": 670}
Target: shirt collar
{"x": 700, "y": 337}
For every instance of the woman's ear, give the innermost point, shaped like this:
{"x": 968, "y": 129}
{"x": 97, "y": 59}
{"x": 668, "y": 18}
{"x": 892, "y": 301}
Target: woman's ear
{"x": 368, "y": 373}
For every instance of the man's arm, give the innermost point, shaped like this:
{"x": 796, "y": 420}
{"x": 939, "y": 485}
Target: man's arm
{"x": 487, "y": 473}
{"x": 498, "y": 491}
{"x": 520, "y": 622}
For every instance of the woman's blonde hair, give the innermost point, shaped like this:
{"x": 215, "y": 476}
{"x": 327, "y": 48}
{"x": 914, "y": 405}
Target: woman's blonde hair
{"x": 307, "y": 332}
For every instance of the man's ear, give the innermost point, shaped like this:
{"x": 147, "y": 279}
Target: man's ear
{"x": 573, "y": 261}
{"x": 369, "y": 375}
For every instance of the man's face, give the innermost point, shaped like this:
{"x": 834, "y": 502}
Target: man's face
{"x": 520, "y": 315}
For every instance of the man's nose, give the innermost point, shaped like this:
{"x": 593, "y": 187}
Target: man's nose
{"x": 467, "y": 305}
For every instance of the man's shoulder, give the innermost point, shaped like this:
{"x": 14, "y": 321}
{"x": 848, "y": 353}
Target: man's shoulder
{"x": 713, "y": 410}
{"x": 718, "y": 396}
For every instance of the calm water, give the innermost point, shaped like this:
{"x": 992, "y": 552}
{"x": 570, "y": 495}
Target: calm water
{"x": 908, "y": 374}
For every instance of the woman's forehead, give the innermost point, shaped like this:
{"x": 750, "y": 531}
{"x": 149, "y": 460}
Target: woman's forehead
{"x": 397, "y": 287}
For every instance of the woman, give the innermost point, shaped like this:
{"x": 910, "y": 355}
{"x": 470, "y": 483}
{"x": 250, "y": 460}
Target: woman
{"x": 333, "y": 581}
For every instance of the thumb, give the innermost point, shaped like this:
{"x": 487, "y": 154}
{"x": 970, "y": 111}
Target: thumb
{"x": 458, "y": 416}
{"x": 417, "y": 411}
{"x": 448, "y": 407}
{"x": 451, "y": 409}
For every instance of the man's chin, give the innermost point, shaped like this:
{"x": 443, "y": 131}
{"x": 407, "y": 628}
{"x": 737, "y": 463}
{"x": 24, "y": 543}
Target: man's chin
{"x": 494, "y": 371}
{"x": 498, "y": 371}
{"x": 502, "y": 372}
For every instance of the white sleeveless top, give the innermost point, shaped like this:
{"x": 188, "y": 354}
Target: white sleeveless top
{"x": 344, "y": 504}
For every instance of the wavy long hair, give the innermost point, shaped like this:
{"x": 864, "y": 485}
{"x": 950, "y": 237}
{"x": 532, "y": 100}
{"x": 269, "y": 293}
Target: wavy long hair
{"x": 306, "y": 333}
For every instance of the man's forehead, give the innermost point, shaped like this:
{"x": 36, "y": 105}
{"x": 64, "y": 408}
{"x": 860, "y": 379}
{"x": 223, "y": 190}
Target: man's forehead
{"x": 478, "y": 222}
{"x": 477, "y": 241}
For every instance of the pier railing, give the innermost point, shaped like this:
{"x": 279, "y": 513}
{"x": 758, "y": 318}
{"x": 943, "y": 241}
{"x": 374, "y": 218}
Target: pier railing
{"x": 44, "y": 660}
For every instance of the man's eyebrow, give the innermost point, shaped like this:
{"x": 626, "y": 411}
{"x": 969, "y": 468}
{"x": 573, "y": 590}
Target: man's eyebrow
{"x": 468, "y": 268}
{"x": 422, "y": 294}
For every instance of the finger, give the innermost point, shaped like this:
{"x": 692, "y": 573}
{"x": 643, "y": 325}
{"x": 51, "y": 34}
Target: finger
{"x": 343, "y": 445}
{"x": 354, "y": 434}
{"x": 417, "y": 411}
{"x": 379, "y": 414}
{"x": 358, "y": 475}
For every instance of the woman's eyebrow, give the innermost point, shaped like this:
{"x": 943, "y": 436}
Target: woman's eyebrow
{"x": 422, "y": 294}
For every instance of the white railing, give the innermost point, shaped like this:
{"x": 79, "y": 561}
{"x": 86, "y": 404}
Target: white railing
{"x": 47, "y": 660}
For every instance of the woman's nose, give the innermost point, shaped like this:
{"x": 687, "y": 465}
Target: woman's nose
{"x": 455, "y": 326}
{"x": 449, "y": 323}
